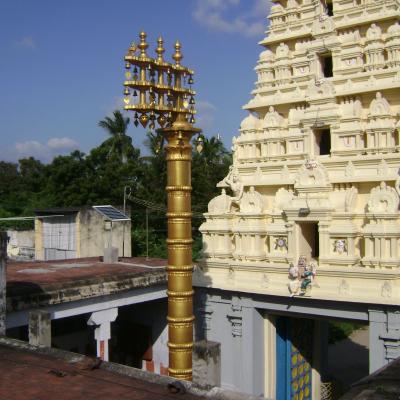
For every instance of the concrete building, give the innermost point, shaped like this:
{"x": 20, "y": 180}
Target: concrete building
{"x": 310, "y": 230}
{"x": 78, "y": 232}
{"x": 114, "y": 311}
{"x": 21, "y": 244}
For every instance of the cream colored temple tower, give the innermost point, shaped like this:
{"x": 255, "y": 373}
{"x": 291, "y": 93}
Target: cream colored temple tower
{"x": 307, "y": 225}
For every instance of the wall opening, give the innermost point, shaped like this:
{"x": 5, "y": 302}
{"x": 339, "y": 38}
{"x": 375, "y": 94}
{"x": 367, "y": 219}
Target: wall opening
{"x": 326, "y": 65}
{"x": 322, "y": 141}
{"x": 329, "y": 7}
{"x": 309, "y": 240}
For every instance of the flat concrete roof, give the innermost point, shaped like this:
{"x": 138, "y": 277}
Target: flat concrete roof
{"x": 29, "y": 372}
{"x": 43, "y": 283}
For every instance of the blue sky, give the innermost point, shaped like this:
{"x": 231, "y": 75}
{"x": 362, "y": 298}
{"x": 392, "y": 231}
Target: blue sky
{"x": 61, "y": 65}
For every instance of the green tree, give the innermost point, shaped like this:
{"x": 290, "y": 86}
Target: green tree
{"x": 209, "y": 167}
{"x": 116, "y": 127}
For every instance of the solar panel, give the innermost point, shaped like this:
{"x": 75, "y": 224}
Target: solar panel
{"x": 111, "y": 213}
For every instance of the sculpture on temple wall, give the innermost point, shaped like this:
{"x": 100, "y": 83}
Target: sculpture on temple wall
{"x": 282, "y": 198}
{"x": 311, "y": 173}
{"x": 301, "y": 276}
{"x": 282, "y": 51}
{"x": 251, "y": 202}
{"x": 323, "y": 24}
{"x": 273, "y": 119}
{"x": 340, "y": 246}
{"x": 374, "y": 32}
{"x": 393, "y": 45}
{"x": 220, "y": 204}
{"x": 383, "y": 199}
{"x": 235, "y": 183}
{"x": 374, "y": 48}
{"x": 320, "y": 88}
{"x": 379, "y": 106}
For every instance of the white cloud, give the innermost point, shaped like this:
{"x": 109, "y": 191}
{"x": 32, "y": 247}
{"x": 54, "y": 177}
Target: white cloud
{"x": 62, "y": 144}
{"x": 42, "y": 151}
{"x": 217, "y": 15}
{"x": 27, "y": 42}
{"x": 205, "y": 115}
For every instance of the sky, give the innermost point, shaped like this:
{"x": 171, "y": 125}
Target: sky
{"x": 62, "y": 69}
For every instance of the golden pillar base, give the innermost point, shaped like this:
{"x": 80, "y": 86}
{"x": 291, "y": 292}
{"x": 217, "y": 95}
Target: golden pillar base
{"x": 180, "y": 266}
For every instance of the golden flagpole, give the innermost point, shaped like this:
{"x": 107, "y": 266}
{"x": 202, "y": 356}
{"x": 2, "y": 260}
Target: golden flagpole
{"x": 159, "y": 92}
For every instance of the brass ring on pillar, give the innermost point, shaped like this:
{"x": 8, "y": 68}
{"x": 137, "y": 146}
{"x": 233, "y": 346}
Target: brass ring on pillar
{"x": 181, "y": 320}
{"x": 180, "y": 371}
{"x": 181, "y": 268}
{"x": 187, "y": 293}
{"x": 173, "y": 156}
{"x": 178, "y": 188}
{"x": 179, "y": 215}
{"x": 179, "y": 241}
{"x": 180, "y": 346}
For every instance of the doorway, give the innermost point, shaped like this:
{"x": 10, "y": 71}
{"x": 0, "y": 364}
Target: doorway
{"x": 309, "y": 240}
{"x": 322, "y": 142}
{"x": 294, "y": 353}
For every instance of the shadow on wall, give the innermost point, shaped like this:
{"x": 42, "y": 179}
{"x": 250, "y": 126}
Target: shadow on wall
{"x": 348, "y": 360}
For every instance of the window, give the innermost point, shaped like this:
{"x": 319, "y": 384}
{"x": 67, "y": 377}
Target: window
{"x": 322, "y": 141}
{"x": 329, "y": 7}
{"x": 309, "y": 240}
{"x": 326, "y": 65}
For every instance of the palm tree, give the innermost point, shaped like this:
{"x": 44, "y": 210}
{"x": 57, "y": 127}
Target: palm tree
{"x": 116, "y": 128}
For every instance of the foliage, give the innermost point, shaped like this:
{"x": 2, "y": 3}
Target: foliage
{"x": 341, "y": 330}
{"x": 100, "y": 176}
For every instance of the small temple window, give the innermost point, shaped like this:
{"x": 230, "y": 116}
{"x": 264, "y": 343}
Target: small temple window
{"x": 329, "y": 7}
{"x": 309, "y": 240}
{"x": 322, "y": 141}
{"x": 326, "y": 65}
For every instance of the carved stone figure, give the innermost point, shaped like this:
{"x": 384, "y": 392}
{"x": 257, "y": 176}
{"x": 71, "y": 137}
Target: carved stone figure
{"x": 301, "y": 276}
{"x": 379, "y": 106}
{"x": 282, "y": 50}
{"x": 340, "y": 246}
{"x": 383, "y": 199}
{"x": 220, "y": 204}
{"x": 251, "y": 202}
{"x": 311, "y": 173}
{"x": 374, "y": 32}
{"x": 386, "y": 290}
{"x": 272, "y": 118}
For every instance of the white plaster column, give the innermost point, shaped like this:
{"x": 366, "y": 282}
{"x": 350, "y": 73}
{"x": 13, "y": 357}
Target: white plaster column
{"x": 377, "y": 328}
{"x": 393, "y": 247}
{"x": 323, "y": 230}
{"x": 290, "y": 240}
{"x": 270, "y": 356}
{"x": 351, "y": 246}
{"x": 102, "y": 320}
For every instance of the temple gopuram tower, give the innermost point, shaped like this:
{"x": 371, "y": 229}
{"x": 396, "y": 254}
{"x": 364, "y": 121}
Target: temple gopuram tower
{"x": 307, "y": 227}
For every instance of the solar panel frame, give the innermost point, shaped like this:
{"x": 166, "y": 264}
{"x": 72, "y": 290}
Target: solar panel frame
{"x": 111, "y": 213}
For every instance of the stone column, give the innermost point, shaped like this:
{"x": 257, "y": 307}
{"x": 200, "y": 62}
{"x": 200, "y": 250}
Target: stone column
{"x": 40, "y": 328}
{"x": 377, "y": 328}
{"x": 102, "y": 320}
{"x": 207, "y": 364}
